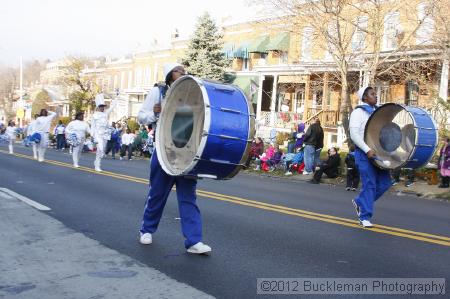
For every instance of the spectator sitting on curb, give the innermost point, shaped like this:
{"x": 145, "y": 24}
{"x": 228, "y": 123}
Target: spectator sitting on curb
{"x": 330, "y": 167}
{"x": 270, "y": 151}
{"x": 276, "y": 158}
{"x": 295, "y": 162}
{"x": 256, "y": 150}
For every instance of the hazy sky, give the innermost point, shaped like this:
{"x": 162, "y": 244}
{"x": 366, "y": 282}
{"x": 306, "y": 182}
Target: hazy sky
{"x": 39, "y": 29}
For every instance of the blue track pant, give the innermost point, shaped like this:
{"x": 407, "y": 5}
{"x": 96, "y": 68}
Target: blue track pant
{"x": 160, "y": 185}
{"x": 375, "y": 182}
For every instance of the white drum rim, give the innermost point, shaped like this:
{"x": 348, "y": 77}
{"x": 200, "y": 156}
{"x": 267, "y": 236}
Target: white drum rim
{"x": 206, "y": 126}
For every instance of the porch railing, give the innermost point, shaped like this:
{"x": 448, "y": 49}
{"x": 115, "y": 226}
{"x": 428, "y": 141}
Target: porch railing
{"x": 328, "y": 118}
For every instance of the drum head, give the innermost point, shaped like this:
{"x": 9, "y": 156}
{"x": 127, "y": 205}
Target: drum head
{"x": 391, "y": 133}
{"x": 179, "y": 131}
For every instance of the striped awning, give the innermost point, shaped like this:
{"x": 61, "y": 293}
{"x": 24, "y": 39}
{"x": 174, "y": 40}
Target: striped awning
{"x": 259, "y": 45}
{"x": 279, "y": 42}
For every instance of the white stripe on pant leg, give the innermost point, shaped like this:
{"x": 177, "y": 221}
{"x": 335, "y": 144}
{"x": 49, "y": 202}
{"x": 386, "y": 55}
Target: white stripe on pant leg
{"x": 34, "y": 145}
{"x": 42, "y": 146}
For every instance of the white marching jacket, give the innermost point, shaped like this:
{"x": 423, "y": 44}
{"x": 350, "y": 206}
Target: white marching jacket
{"x": 11, "y": 132}
{"x": 30, "y": 128}
{"x": 99, "y": 125}
{"x": 79, "y": 128}
{"x": 43, "y": 123}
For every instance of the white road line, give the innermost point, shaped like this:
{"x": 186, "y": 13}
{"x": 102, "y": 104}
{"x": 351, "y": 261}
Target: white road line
{"x": 25, "y": 200}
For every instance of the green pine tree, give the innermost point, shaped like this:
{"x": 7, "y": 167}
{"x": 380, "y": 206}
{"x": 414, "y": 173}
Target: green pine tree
{"x": 204, "y": 57}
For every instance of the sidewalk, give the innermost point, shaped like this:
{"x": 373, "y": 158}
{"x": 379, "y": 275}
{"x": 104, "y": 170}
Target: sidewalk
{"x": 41, "y": 258}
{"x": 419, "y": 188}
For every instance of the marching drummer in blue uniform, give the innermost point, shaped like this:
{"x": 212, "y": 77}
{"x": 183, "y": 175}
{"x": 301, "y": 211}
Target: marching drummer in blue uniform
{"x": 375, "y": 181}
{"x": 161, "y": 183}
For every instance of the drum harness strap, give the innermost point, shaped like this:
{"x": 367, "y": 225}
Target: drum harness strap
{"x": 162, "y": 94}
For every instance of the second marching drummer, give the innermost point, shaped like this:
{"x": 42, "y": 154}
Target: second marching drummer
{"x": 161, "y": 183}
{"x": 375, "y": 181}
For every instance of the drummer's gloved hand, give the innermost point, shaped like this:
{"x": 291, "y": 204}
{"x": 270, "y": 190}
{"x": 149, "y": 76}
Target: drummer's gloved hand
{"x": 157, "y": 108}
{"x": 370, "y": 154}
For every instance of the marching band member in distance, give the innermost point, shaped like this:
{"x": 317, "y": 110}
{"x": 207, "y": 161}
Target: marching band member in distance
{"x": 100, "y": 128}
{"x": 375, "y": 181}
{"x": 11, "y": 133}
{"x": 30, "y": 132}
{"x": 80, "y": 128}
{"x": 42, "y": 126}
{"x": 161, "y": 183}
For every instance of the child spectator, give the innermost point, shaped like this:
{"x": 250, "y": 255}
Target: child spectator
{"x": 270, "y": 151}
{"x": 276, "y": 158}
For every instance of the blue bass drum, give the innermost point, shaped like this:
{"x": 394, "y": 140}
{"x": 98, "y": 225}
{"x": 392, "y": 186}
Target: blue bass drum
{"x": 205, "y": 129}
{"x": 405, "y": 136}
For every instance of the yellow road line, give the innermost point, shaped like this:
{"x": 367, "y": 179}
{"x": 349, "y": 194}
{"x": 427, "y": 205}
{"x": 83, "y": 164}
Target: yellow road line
{"x": 425, "y": 237}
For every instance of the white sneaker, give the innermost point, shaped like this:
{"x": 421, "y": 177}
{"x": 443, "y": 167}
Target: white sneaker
{"x": 35, "y": 157}
{"x": 75, "y": 165}
{"x": 98, "y": 169}
{"x": 121, "y": 158}
{"x": 146, "y": 238}
{"x": 366, "y": 223}
{"x": 40, "y": 160}
{"x": 199, "y": 248}
{"x": 288, "y": 173}
{"x": 306, "y": 173}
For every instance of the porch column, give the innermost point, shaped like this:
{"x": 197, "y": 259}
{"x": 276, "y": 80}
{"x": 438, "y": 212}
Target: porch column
{"x": 325, "y": 91}
{"x": 259, "y": 101}
{"x": 273, "y": 100}
{"x": 307, "y": 97}
{"x": 443, "y": 85}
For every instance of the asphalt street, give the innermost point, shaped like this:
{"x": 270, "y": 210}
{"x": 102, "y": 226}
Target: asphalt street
{"x": 258, "y": 227}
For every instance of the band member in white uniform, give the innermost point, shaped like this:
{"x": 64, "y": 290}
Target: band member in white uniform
{"x": 100, "y": 128}
{"x": 42, "y": 126}
{"x": 80, "y": 128}
{"x": 11, "y": 133}
{"x": 30, "y": 131}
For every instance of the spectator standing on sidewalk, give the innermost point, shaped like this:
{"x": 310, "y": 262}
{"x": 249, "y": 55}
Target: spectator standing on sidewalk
{"x": 60, "y": 130}
{"x": 444, "y": 164}
{"x": 313, "y": 141}
{"x": 127, "y": 144}
{"x": 352, "y": 170}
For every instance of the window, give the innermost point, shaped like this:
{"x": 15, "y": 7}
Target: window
{"x": 122, "y": 80}
{"x": 147, "y": 73}
{"x": 359, "y": 37}
{"x": 116, "y": 80}
{"x": 382, "y": 89}
{"x": 412, "y": 93}
{"x": 245, "y": 64}
{"x": 262, "y": 59}
{"x": 307, "y": 44}
{"x": 300, "y": 100}
{"x": 391, "y": 31}
{"x": 130, "y": 79}
{"x": 138, "y": 77}
{"x": 425, "y": 31}
{"x": 283, "y": 57}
